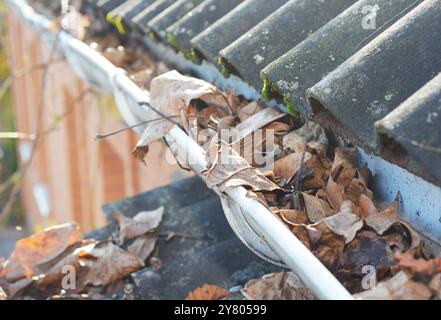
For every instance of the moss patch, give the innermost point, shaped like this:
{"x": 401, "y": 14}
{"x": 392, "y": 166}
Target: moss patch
{"x": 224, "y": 69}
{"x": 178, "y": 46}
{"x": 119, "y": 25}
{"x": 195, "y": 57}
{"x": 292, "y": 109}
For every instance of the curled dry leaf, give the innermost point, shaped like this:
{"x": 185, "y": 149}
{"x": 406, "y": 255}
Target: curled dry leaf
{"x": 140, "y": 224}
{"x": 294, "y": 141}
{"x": 208, "y": 292}
{"x": 51, "y": 273}
{"x": 171, "y": 94}
{"x": 249, "y": 110}
{"x": 257, "y": 121}
{"x": 383, "y": 220}
{"x": 143, "y": 246}
{"x": 293, "y": 217}
{"x": 427, "y": 267}
{"x": 107, "y": 263}
{"x": 345, "y": 166}
{"x": 316, "y": 208}
{"x": 367, "y": 206}
{"x": 400, "y": 287}
{"x": 40, "y": 248}
{"x": 335, "y": 193}
{"x": 345, "y": 223}
{"x": 287, "y": 167}
{"x": 277, "y": 286}
{"x": 228, "y": 170}
{"x": 318, "y": 174}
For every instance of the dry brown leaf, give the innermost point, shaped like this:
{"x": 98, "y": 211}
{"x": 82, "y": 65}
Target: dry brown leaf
{"x": 140, "y": 224}
{"x": 107, "y": 263}
{"x": 277, "y": 286}
{"x": 143, "y": 246}
{"x": 228, "y": 170}
{"x": 317, "y": 209}
{"x": 249, "y": 110}
{"x": 208, "y": 292}
{"x": 319, "y": 173}
{"x": 345, "y": 223}
{"x": 40, "y": 248}
{"x": 303, "y": 235}
{"x": 367, "y": 206}
{"x": 279, "y": 128}
{"x": 51, "y": 273}
{"x": 400, "y": 287}
{"x": 170, "y": 94}
{"x": 293, "y": 217}
{"x": 428, "y": 267}
{"x": 335, "y": 193}
{"x": 355, "y": 189}
{"x": 383, "y": 220}
{"x": 345, "y": 166}
{"x": 257, "y": 121}
{"x": 287, "y": 167}
{"x": 294, "y": 141}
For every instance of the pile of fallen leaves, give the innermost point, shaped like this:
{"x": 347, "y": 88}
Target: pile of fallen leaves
{"x": 59, "y": 263}
{"x": 333, "y": 213}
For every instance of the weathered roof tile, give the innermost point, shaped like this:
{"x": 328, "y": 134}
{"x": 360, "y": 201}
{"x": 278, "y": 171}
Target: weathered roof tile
{"x": 197, "y": 20}
{"x": 159, "y": 24}
{"x": 277, "y": 34}
{"x": 306, "y": 64}
{"x": 238, "y": 21}
{"x": 383, "y": 74}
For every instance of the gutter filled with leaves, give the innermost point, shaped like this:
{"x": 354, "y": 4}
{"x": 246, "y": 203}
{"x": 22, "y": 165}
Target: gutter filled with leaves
{"x": 328, "y": 230}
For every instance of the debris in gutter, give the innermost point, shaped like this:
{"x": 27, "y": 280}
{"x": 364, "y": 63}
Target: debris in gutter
{"x": 208, "y": 292}
{"x": 58, "y": 263}
{"x": 337, "y": 218}
{"x": 277, "y": 286}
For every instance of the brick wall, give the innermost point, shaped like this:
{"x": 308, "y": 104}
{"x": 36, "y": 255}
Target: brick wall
{"x": 71, "y": 174}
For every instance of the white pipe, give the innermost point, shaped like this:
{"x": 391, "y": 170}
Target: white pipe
{"x": 296, "y": 256}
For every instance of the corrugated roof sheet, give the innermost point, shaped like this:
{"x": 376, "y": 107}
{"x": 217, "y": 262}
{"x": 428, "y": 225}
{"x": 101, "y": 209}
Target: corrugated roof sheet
{"x": 358, "y": 67}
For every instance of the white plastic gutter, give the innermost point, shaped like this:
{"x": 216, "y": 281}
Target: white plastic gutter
{"x": 268, "y": 229}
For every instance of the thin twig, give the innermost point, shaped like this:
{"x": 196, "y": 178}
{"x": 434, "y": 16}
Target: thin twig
{"x": 106, "y": 135}
{"x": 146, "y": 104}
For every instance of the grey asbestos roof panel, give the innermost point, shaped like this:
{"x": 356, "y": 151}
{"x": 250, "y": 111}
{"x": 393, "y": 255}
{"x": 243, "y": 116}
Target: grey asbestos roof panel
{"x": 415, "y": 126}
{"x": 134, "y": 9}
{"x": 277, "y": 34}
{"x": 106, "y": 6}
{"x": 383, "y": 74}
{"x": 143, "y": 18}
{"x": 306, "y": 64}
{"x": 159, "y": 24}
{"x": 240, "y": 20}
{"x": 197, "y": 20}
{"x": 352, "y": 65}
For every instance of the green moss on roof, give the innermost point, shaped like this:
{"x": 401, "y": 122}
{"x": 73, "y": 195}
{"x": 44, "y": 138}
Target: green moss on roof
{"x": 116, "y": 21}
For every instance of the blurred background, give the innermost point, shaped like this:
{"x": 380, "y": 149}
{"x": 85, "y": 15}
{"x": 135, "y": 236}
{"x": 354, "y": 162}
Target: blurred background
{"x": 67, "y": 175}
